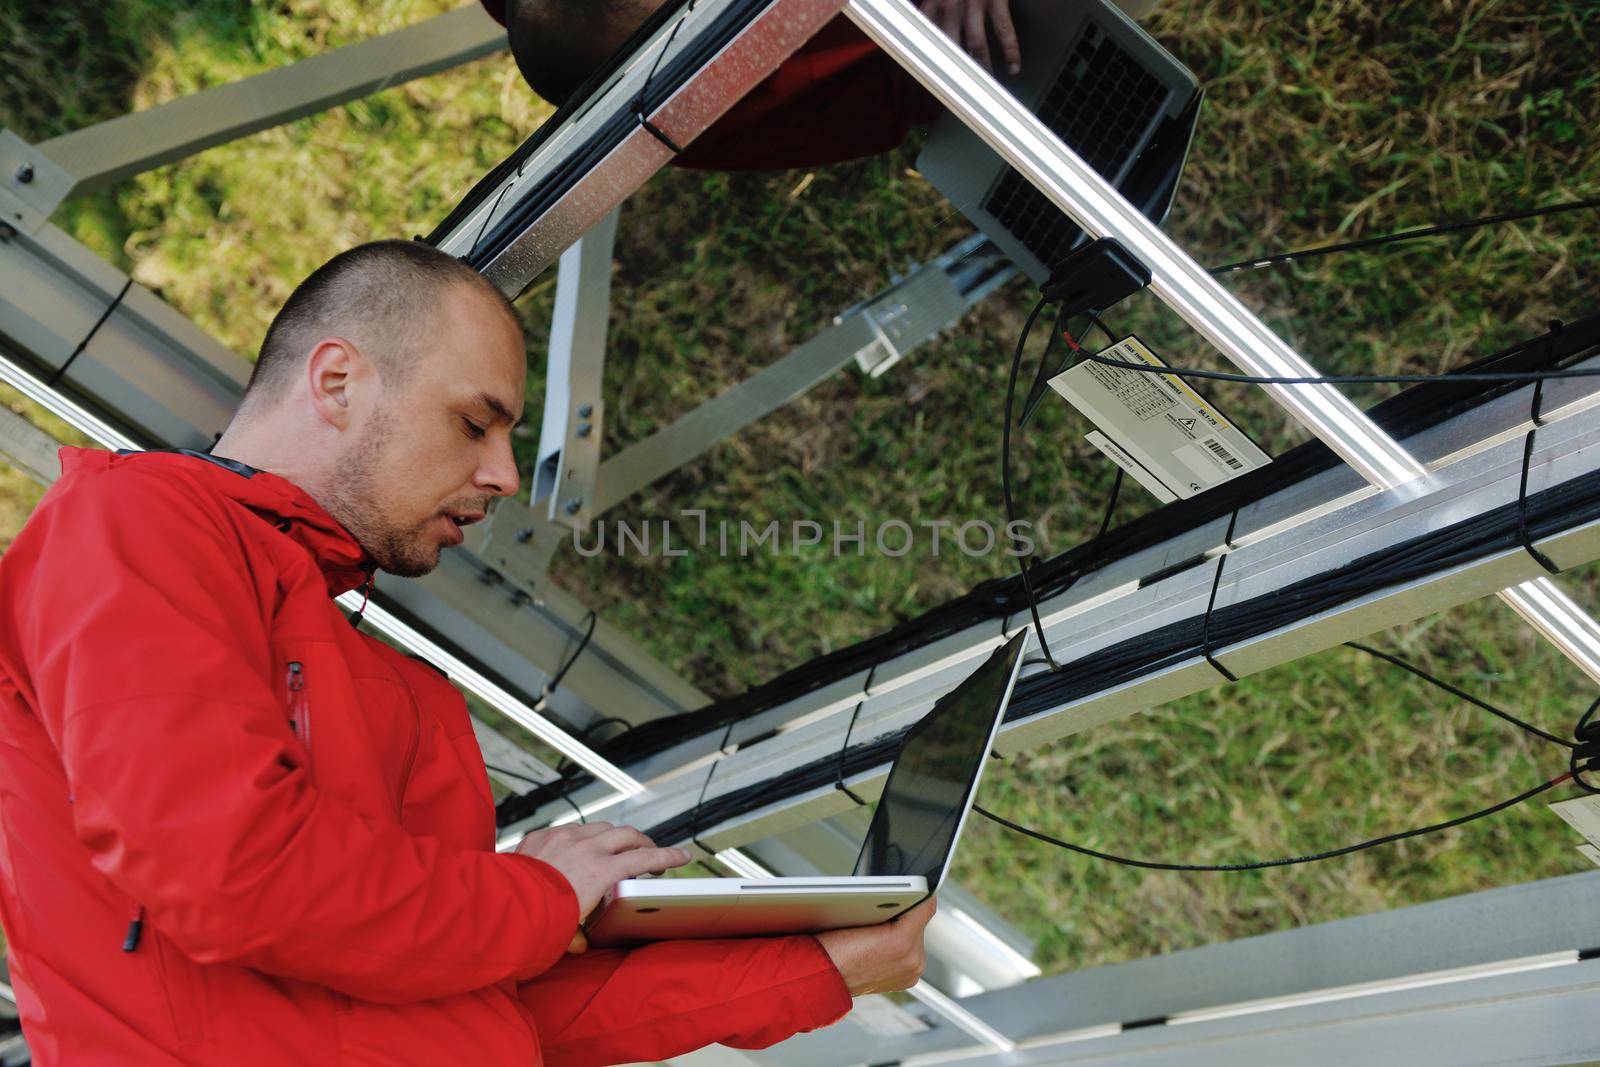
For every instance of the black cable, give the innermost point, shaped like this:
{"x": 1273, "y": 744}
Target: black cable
{"x": 508, "y": 773}
{"x": 591, "y": 620}
{"x": 1211, "y": 605}
{"x": 588, "y": 731}
{"x": 699, "y": 804}
{"x": 1536, "y": 417}
{"x": 99, "y": 322}
{"x": 639, "y": 101}
{"x": 1036, "y": 390}
{"x": 549, "y": 688}
{"x": 1407, "y": 235}
{"x": 489, "y": 217}
{"x": 838, "y": 780}
{"x": 1153, "y": 865}
{"x": 609, "y": 720}
{"x": 1587, "y": 750}
{"x": 1459, "y": 693}
{"x": 1005, "y": 477}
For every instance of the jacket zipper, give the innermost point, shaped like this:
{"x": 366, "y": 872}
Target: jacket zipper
{"x": 299, "y": 705}
{"x": 130, "y": 941}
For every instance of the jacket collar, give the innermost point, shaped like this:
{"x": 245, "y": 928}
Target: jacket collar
{"x": 344, "y": 563}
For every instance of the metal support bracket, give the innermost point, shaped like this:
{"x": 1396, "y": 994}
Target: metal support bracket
{"x": 895, "y": 321}
{"x": 38, "y": 183}
{"x": 569, "y": 440}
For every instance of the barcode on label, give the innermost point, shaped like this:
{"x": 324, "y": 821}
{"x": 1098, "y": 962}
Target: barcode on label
{"x": 1217, "y": 449}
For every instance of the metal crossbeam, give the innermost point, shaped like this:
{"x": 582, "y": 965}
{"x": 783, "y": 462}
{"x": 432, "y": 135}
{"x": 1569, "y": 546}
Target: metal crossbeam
{"x": 106, "y": 153}
{"x": 888, "y": 326}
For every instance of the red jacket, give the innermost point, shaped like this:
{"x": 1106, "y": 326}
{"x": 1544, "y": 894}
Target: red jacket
{"x": 190, "y": 730}
{"x": 837, "y": 98}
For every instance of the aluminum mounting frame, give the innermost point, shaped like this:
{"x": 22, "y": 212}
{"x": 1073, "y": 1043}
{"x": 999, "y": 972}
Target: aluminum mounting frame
{"x": 129, "y": 315}
{"x": 1114, "y": 604}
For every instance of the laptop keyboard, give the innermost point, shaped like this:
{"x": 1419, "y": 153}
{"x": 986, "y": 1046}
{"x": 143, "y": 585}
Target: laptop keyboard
{"x": 1101, "y": 106}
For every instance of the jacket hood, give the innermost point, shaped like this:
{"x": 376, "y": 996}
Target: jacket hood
{"x": 275, "y": 499}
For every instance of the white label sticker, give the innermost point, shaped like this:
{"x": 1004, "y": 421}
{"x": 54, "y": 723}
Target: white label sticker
{"x": 1155, "y": 427}
{"x": 882, "y": 1016}
{"x": 1120, "y": 457}
{"x": 1582, "y": 814}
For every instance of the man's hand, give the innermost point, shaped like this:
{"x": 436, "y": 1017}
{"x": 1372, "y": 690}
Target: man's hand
{"x": 883, "y": 958}
{"x": 596, "y": 856}
{"x": 967, "y": 23}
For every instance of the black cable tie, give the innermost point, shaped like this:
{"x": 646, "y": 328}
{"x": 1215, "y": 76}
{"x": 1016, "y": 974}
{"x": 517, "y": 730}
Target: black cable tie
{"x": 1522, "y": 486}
{"x": 1586, "y": 754}
{"x": 101, "y": 321}
{"x": 694, "y": 819}
{"x": 838, "y": 777}
{"x": 655, "y": 132}
{"x": 1227, "y": 538}
{"x": 1205, "y": 624}
{"x": 727, "y": 735}
{"x": 639, "y": 101}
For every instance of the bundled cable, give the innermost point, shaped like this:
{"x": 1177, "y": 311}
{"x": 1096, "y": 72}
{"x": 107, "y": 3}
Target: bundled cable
{"x": 1402, "y": 416}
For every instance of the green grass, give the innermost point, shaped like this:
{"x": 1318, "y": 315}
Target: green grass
{"x": 1325, "y": 119}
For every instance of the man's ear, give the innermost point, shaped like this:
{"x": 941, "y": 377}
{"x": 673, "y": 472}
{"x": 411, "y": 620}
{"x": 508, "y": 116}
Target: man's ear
{"x": 331, "y": 370}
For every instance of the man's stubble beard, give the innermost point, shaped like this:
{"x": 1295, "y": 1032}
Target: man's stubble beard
{"x": 356, "y": 503}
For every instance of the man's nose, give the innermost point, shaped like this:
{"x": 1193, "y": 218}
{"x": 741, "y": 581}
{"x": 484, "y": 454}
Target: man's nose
{"x": 498, "y": 475}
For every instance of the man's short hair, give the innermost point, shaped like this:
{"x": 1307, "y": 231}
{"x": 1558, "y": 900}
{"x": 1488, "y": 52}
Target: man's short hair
{"x": 381, "y": 295}
{"x": 558, "y": 44}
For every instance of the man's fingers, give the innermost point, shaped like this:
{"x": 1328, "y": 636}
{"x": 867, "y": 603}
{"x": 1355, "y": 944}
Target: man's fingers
{"x": 1006, "y": 31}
{"x": 578, "y": 945}
{"x": 644, "y": 860}
{"x": 585, "y": 830}
{"x": 918, "y": 917}
{"x": 623, "y": 839}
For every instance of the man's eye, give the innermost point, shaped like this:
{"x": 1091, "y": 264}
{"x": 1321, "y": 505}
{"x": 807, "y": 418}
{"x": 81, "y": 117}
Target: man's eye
{"x": 473, "y": 429}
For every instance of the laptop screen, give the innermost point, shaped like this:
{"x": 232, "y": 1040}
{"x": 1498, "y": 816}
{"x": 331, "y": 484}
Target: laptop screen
{"x": 931, "y": 784}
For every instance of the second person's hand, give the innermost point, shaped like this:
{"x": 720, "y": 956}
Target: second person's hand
{"x": 967, "y": 23}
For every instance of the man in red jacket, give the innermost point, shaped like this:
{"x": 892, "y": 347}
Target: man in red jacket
{"x": 234, "y": 830}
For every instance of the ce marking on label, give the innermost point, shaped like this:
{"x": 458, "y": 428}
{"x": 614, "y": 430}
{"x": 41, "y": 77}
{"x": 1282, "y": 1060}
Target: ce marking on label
{"x": 1196, "y": 486}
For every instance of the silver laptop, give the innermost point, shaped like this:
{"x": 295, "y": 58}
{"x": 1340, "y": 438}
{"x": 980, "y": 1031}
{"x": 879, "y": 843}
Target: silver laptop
{"x": 904, "y": 860}
{"x": 1109, "y": 91}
